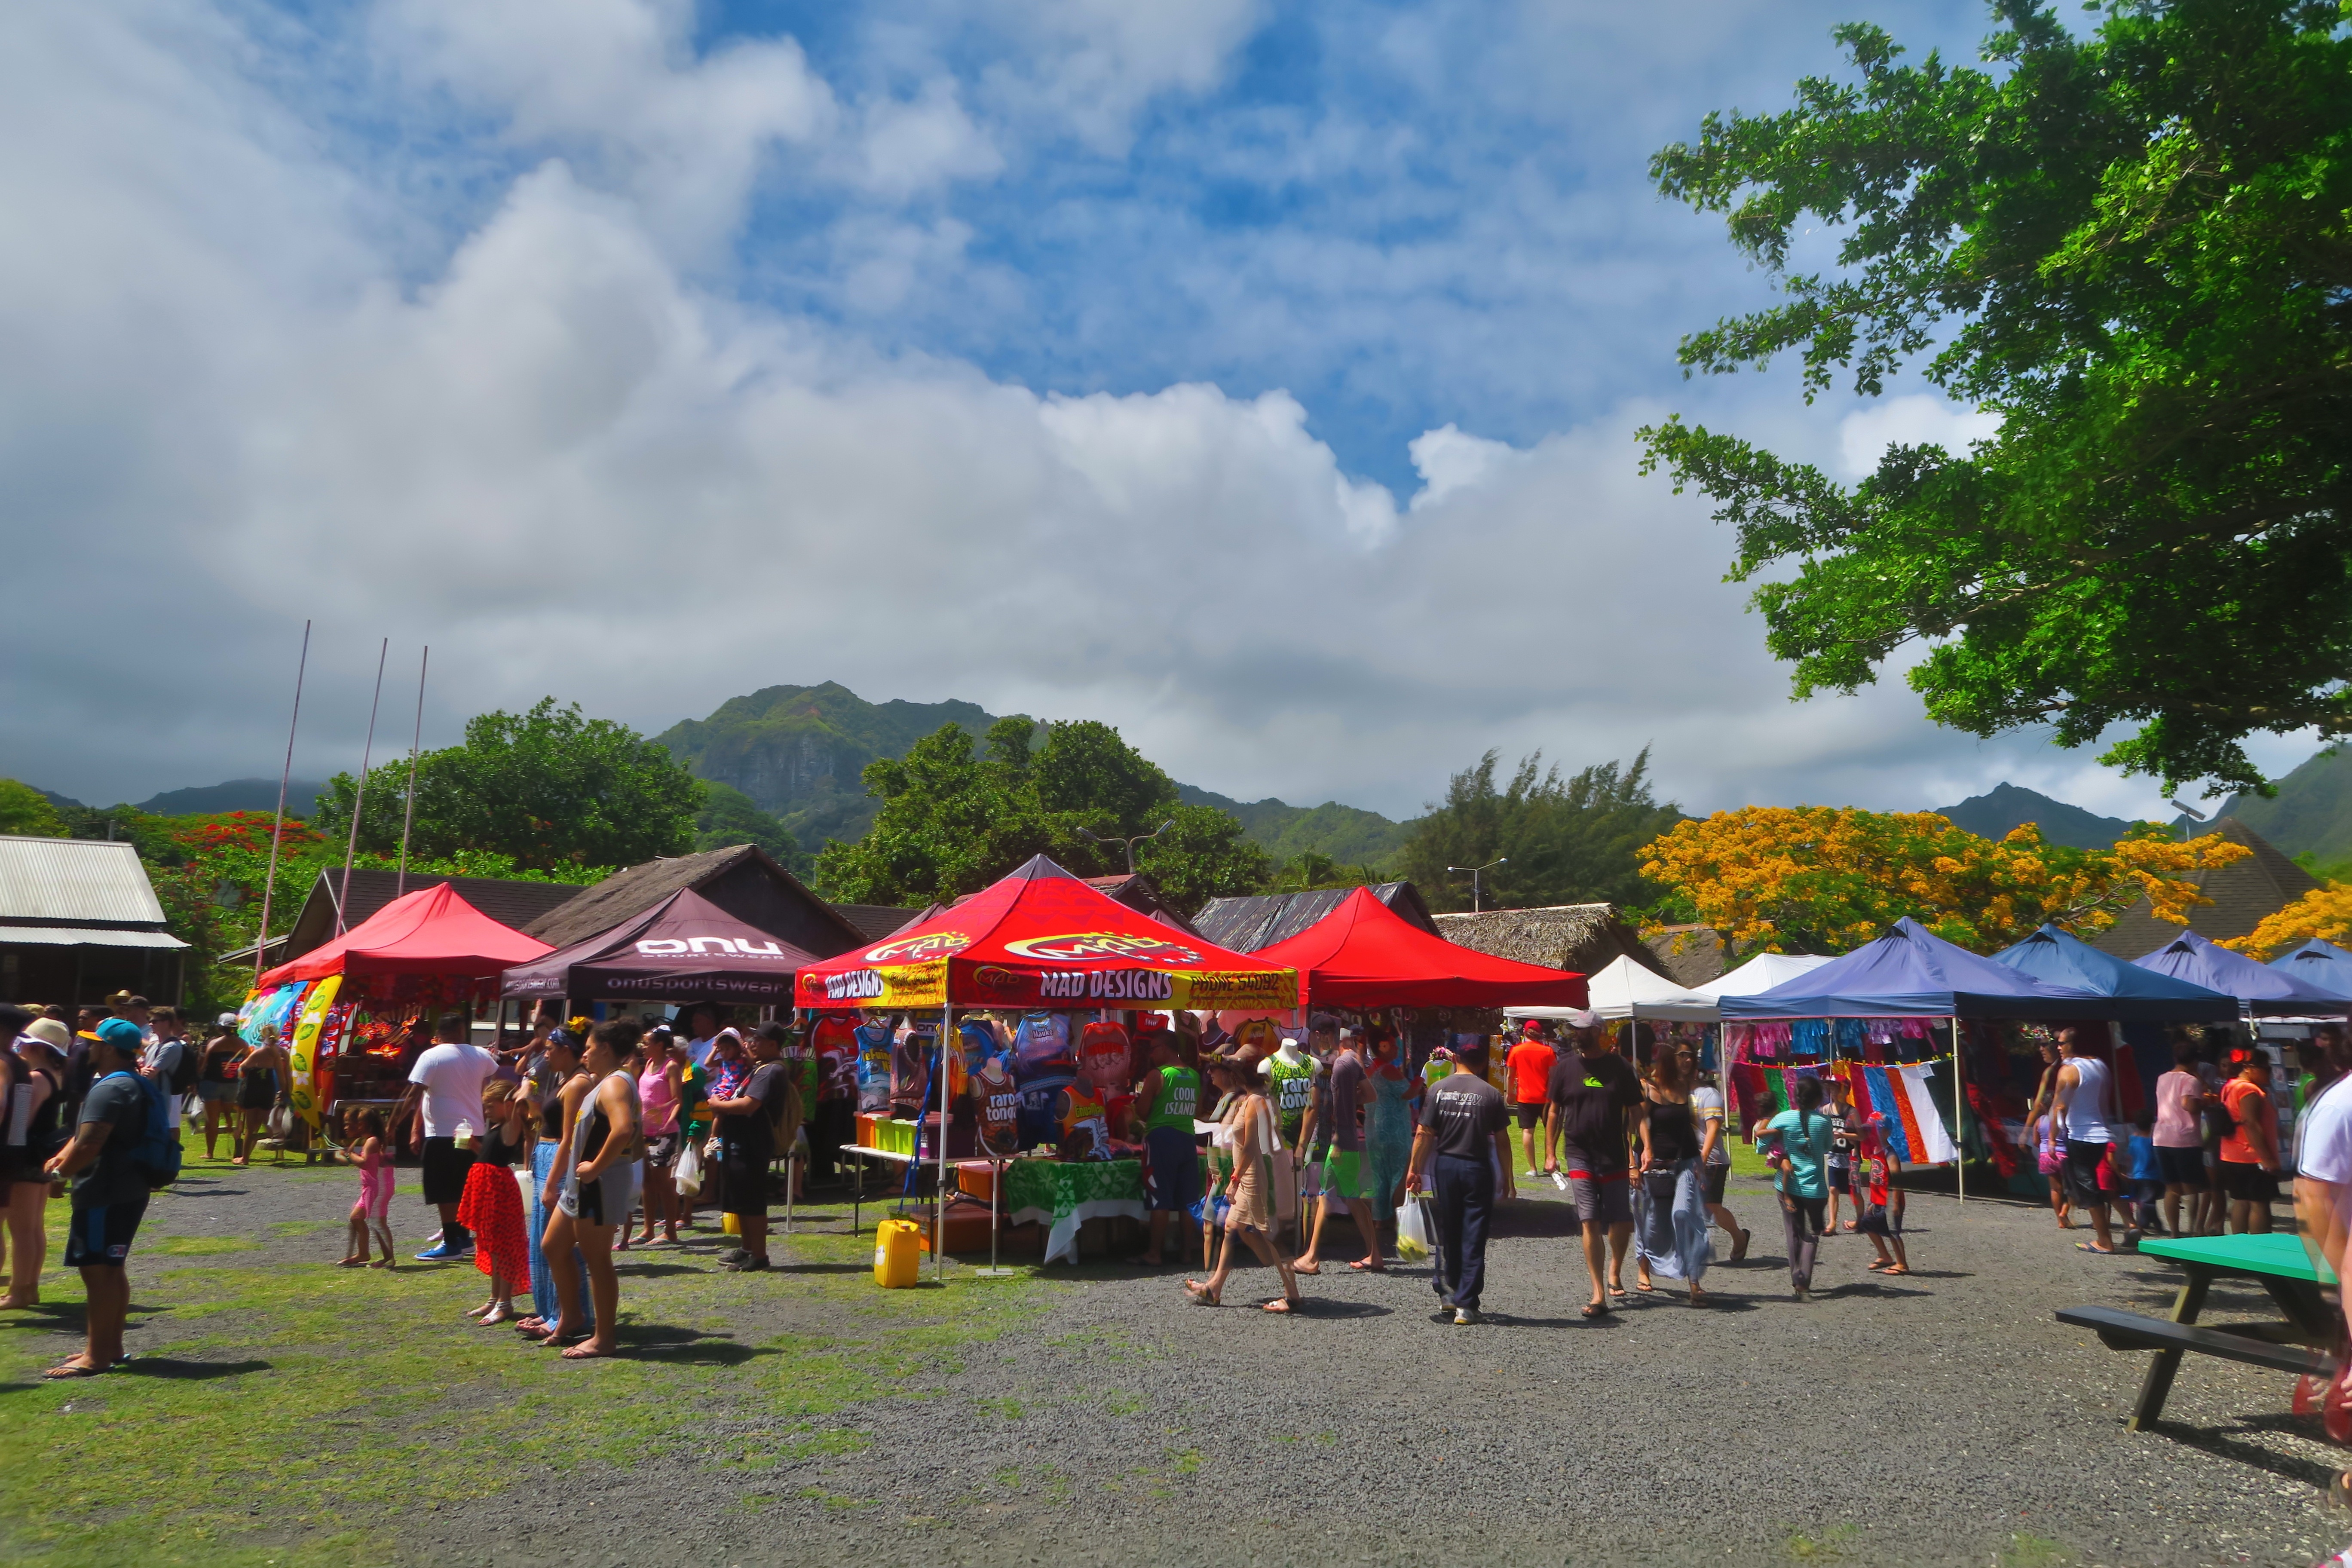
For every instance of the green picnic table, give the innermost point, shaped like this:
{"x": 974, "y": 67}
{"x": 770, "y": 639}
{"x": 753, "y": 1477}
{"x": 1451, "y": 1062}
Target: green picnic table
{"x": 2276, "y": 1261}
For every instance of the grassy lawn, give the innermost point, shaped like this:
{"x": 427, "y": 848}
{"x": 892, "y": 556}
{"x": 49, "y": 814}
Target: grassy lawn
{"x": 281, "y": 1408}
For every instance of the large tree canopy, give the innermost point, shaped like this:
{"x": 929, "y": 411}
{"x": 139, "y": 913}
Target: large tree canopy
{"x": 2135, "y": 247}
{"x": 1562, "y": 840}
{"x": 955, "y": 818}
{"x": 550, "y": 788}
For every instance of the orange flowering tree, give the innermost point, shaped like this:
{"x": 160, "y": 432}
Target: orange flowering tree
{"x": 2323, "y": 912}
{"x": 1828, "y": 879}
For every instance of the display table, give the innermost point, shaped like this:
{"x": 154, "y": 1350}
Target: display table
{"x": 1061, "y": 1196}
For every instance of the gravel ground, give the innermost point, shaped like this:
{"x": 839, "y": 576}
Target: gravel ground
{"x": 1947, "y": 1418}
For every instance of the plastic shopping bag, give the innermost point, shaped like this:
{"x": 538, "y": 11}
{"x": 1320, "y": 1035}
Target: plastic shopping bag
{"x": 1415, "y": 1235}
{"x": 686, "y": 1173}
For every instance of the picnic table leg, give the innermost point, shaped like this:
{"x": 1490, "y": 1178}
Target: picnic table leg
{"x": 2158, "y": 1384}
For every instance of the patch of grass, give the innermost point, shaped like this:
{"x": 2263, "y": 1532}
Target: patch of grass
{"x": 1010, "y": 1409}
{"x": 2033, "y": 1552}
{"x": 834, "y": 1500}
{"x": 1189, "y": 1460}
{"x": 320, "y": 1404}
{"x": 1831, "y": 1544}
{"x": 1118, "y": 1402}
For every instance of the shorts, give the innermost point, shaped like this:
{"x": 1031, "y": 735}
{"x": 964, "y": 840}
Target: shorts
{"x": 661, "y": 1152}
{"x": 1528, "y": 1114}
{"x": 1717, "y": 1176}
{"x": 2248, "y": 1183}
{"x": 1344, "y": 1175}
{"x": 99, "y": 1236}
{"x": 1601, "y": 1197}
{"x": 2182, "y": 1167}
{"x": 743, "y": 1178}
{"x": 446, "y": 1169}
{"x": 213, "y": 1090}
{"x": 1872, "y": 1220}
{"x": 2085, "y": 1185}
{"x": 259, "y": 1093}
{"x": 1175, "y": 1169}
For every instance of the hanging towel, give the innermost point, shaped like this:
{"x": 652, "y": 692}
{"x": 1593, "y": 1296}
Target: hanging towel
{"x": 1914, "y": 1130}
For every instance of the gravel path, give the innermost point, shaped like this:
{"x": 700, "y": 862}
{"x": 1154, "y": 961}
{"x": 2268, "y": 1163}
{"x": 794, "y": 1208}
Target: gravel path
{"x": 1947, "y": 1418}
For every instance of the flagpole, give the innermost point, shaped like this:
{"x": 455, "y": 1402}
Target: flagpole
{"x": 261, "y": 944}
{"x": 408, "y": 817}
{"x": 359, "y": 797}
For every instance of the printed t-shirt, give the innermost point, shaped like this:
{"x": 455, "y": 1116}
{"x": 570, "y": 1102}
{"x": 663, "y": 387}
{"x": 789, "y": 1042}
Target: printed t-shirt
{"x": 1806, "y": 1142}
{"x": 2326, "y": 1135}
{"x": 1294, "y": 1088}
{"x": 1179, "y": 1097}
{"x": 2242, "y": 1098}
{"x": 1000, "y": 1106}
{"x": 1463, "y": 1113}
{"x": 1593, "y": 1094}
{"x": 1531, "y": 1064}
{"x": 2176, "y": 1125}
{"x": 1347, "y": 1116}
{"x": 832, "y": 1041}
{"x": 1841, "y": 1138}
{"x": 1707, "y": 1104}
{"x": 453, "y": 1074}
{"x": 119, "y": 1099}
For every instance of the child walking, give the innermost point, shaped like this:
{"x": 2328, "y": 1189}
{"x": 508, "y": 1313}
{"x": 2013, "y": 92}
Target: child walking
{"x": 367, "y": 1147}
{"x": 1873, "y": 1178}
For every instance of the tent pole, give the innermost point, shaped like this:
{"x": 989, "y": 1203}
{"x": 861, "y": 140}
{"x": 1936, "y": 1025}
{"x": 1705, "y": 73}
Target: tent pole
{"x": 939, "y": 1206}
{"x": 1960, "y": 1117}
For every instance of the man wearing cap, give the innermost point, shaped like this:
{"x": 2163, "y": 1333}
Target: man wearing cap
{"x": 166, "y": 1050}
{"x": 109, "y": 1193}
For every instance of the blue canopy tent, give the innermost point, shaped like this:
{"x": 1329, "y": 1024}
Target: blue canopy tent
{"x": 2321, "y": 966}
{"x": 2261, "y": 990}
{"x": 2135, "y": 994}
{"x": 1911, "y": 973}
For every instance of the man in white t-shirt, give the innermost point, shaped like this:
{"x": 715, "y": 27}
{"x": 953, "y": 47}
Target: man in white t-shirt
{"x": 445, "y": 1088}
{"x": 163, "y": 1057}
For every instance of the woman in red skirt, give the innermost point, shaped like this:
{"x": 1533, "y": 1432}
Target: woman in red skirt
{"x": 491, "y": 1205}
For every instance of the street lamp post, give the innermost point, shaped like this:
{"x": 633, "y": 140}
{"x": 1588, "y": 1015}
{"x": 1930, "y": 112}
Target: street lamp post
{"x": 1130, "y": 843}
{"x": 1474, "y": 870}
{"x": 2185, "y": 810}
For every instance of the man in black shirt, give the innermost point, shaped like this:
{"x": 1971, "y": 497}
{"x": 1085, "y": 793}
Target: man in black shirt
{"x": 1464, "y": 1142}
{"x": 747, "y": 1145}
{"x": 1593, "y": 1089}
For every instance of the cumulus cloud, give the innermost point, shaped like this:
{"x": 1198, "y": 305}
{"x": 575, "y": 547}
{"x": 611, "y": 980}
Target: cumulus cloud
{"x": 575, "y": 460}
{"x": 1911, "y": 419}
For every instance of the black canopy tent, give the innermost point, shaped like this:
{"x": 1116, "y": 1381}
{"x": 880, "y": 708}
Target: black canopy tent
{"x": 684, "y": 949}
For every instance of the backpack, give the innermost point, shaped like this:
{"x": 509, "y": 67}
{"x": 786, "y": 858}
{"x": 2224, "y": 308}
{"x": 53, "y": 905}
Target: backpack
{"x": 156, "y": 1153}
{"x": 185, "y": 1069}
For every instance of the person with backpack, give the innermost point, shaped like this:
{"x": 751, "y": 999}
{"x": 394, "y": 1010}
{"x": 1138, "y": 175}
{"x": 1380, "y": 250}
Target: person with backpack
{"x": 169, "y": 1061}
{"x": 122, "y": 1150}
{"x": 754, "y": 1123}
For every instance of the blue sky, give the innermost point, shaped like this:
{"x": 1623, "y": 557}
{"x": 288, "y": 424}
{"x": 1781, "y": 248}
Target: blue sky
{"x": 1260, "y": 379}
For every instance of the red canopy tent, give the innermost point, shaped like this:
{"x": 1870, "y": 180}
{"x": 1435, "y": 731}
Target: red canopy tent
{"x": 1363, "y": 954}
{"x": 429, "y": 932}
{"x": 1042, "y": 938}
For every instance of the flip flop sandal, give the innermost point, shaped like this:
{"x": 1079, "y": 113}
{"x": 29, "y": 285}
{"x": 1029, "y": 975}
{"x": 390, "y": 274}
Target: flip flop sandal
{"x": 2098, "y": 1251}
{"x": 1310, "y": 1269}
{"x": 1596, "y": 1308}
{"x": 64, "y": 1369}
{"x": 1360, "y": 1267}
{"x": 1281, "y": 1306}
{"x": 582, "y": 1352}
{"x": 1739, "y": 1248}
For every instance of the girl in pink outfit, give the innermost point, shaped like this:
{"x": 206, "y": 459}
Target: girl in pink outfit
{"x": 368, "y": 1150}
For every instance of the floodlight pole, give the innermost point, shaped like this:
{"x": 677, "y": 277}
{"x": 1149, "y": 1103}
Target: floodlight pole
{"x": 408, "y": 817}
{"x": 1474, "y": 870}
{"x": 269, "y": 879}
{"x": 359, "y": 797}
{"x": 1130, "y": 843}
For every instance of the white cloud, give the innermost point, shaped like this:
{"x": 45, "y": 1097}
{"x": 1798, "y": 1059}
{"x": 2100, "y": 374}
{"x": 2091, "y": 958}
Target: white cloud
{"x": 1092, "y": 64}
{"x": 1449, "y": 460}
{"x": 1913, "y": 419}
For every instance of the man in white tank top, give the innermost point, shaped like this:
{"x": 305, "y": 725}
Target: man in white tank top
{"x": 2085, "y": 1107}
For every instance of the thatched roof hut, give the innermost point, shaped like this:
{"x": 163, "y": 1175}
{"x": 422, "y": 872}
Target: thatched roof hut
{"x": 1690, "y": 954}
{"x": 1581, "y": 937}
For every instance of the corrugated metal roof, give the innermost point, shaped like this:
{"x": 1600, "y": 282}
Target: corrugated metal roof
{"x": 86, "y": 936}
{"x": 1248, "y": 924}
{"x": 88, "y": 880}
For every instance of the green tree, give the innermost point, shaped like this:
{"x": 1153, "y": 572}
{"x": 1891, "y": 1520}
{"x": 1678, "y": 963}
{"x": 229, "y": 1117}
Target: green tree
{"x": 730, "y": 817}
{"x": 549, "y": 788}
{"x": 1563, "y": 841}
{"x": 1206, "y": 855}
{"x": 954, "y": 817}
{"x": 26, "y": 810}
{"x": 2134, "y": 248}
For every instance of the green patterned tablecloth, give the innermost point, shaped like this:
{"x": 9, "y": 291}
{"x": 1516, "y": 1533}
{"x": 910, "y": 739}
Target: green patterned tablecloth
{"x": 1061, "y": 1196}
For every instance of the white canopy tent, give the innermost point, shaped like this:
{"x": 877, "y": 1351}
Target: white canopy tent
{"x": 1624, "y": 989}
{"x": 1761, "y": 974}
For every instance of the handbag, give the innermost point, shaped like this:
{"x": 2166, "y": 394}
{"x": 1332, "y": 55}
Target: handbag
{"x": 686, "y": 1174}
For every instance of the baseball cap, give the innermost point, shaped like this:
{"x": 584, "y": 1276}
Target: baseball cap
{"x": 49, "y": 1032}
{"x": 121, "y": 1034}
{"x": 226, "y": 1021}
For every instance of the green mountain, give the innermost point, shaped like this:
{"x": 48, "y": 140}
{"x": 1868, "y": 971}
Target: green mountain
{"x": 1994, "y": 813}
{"x": 237, "y": 794}
{"x": 796, "y": 752}
{"x": 2311, "y": 815}
{"x": 1348, "y": 835}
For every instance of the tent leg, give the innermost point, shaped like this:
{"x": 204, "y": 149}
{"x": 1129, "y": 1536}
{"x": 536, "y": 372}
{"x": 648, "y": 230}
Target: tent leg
{"x": 939, "y": 1200}
{"x": 1960, "y": 1117}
